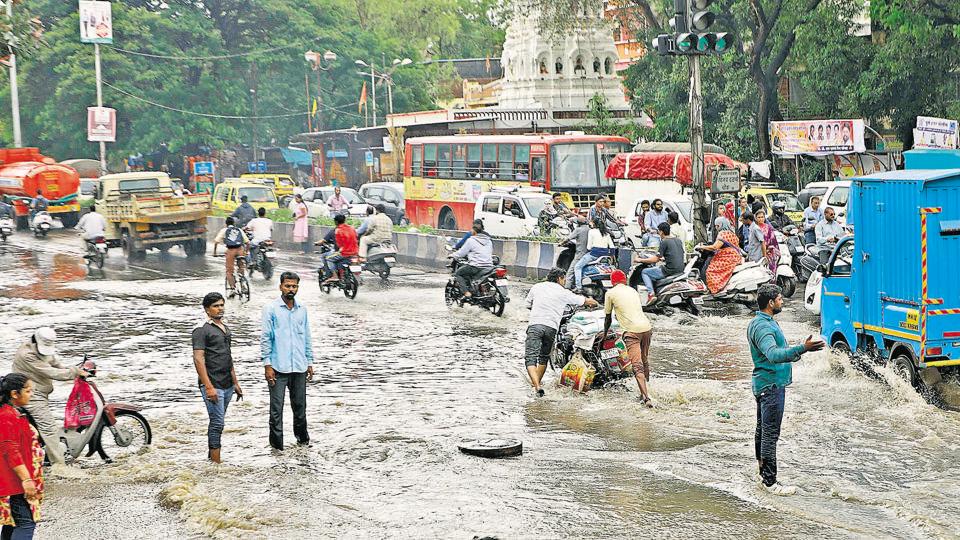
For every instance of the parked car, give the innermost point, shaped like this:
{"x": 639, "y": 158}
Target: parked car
{"x": 768, "y": 196}
{"x": 316, "y": 199}
{"x": 510, "y": 214}
{"x": 226, "y": 196}
{"x": 390, "y": 195}
{"x": 282, "y": 184}
{"x": 832, "y": 194}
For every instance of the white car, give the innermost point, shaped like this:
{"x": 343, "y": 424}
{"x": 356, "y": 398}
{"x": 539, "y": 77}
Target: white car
{"x": 316, "y": 200}
{"x": 510, "y": 214}
{"x": 832, "y": 195}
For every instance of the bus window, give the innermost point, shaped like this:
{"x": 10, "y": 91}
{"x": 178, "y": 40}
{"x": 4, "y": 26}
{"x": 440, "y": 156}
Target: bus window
{"x": 489, "y": 161}
{"x": 539, "y": 167}
{"x": 416, "y": 168}
{"x": 430, "y": 159}
{"x": 574, "y": 166}
{"x": 459, "y": 161}
{"x": 473, "y": 160}
{"x": 522, "y": 162}
{"x": 506, "y": 162}
{"x": 443, "y": 160}
{"x": 605, "y": 154}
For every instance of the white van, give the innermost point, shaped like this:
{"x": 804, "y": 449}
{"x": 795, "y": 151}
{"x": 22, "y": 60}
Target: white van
{"x": 630, "y": 193}
{"x": 832, "y": 195}
{"x": 510, "y": 213}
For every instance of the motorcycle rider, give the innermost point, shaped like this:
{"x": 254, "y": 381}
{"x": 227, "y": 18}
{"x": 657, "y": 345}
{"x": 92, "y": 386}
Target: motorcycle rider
{"x": 828, "y": 232}
{"x": 38, "y": 204}
{"x": 599, "y": 244}
{"x": 553, "y": 209}
{"x": 811, "y": 217}
{"x": 780, "y": 220}
{"x": 244, "y": 213}
{"x": 578, "y": 237}
{"x": 651, "y": 223}
{"x": 37, "y": 360}
{"x": 6, "y": 210}
{"x": 670, "y": 252}
{"x": 478, "y": 250}
{"x": 345, "y": 240}
{"x": 92, "y": 225}
{"x": 261, "y": 229}
{"x": 376, "y": 229}
{"x": 467, "y": 236}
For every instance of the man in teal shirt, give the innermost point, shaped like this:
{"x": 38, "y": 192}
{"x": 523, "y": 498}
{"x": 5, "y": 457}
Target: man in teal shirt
{"x": 287, "y": 355}
{"x": 772, "y": 372}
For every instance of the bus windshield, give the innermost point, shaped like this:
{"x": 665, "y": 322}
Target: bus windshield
{"x": 573, "y": 166}
{"x": 258, "y": 194}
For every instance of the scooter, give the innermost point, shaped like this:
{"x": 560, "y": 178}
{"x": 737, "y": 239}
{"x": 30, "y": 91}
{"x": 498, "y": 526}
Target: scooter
{"x": 41, "y": 224}
{"x": 808, "y": 262}
{"x": 348, "y": 272}
{"x": 112, "y": 429}
{"x": 96, "y": 251}
{"x": 489, "y": 290}
{"x": 596, "y": 277}
{"x": 743, "y": 284}
{"x": 684, "y": 290}
{"x": 381, "y": 258}
{"x": 6, "y": 227}
{"x": 786, "y": 277}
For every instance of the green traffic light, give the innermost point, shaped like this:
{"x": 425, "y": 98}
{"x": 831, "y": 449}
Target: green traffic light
{"x": 723, "y": 42}
{"x": 703, "y": 42}
{"x": 685, "y": 42}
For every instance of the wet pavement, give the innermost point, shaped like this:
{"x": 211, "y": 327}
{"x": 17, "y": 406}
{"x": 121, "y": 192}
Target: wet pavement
{"x": 401, "y": 378}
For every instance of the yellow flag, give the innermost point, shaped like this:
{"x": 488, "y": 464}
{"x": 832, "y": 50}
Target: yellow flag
{"x": 314, "y": 111}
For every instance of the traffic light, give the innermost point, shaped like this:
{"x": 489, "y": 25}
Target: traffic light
{"x": 701, "y": 19}
{"x": 664, "y": 44}
{"x": 685, "y": 42}
{"x": 690, "y": 22}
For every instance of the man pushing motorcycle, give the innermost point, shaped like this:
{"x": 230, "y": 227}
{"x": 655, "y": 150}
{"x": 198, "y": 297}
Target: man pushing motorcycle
{"x": 37, "y": 360}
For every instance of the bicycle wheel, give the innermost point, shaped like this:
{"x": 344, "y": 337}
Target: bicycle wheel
{"x": 243, "y": 287}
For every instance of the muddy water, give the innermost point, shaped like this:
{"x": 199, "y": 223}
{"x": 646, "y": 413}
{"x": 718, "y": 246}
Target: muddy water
{"x": 401, "y": 378}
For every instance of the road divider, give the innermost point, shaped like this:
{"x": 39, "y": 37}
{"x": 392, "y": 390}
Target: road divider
{"x": 523, "y": 258}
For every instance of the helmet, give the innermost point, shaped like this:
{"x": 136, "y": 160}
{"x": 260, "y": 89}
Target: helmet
{"x": 779, "y": 205}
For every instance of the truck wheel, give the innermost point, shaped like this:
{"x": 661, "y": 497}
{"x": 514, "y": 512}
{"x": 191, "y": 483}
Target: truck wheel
{"x": 130, "y": 249}
{"x": 196, "y": 247}
{"x": 70, "y": 219}
{"x": 841, "y": 347}
{"x": 903, "y": 366}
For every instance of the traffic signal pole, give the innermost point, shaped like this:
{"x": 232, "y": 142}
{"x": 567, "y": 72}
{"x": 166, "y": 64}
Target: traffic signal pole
{"x": 700, "y": 211}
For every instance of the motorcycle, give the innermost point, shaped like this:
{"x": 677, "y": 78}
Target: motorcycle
{"x": 380, "y": 259}
{"x": 489, "y": 290}
{"x": 6, "y": 227}
{"x": 807, "y": 263}
{"x": 96, "y": 251}
{"x": 114, "y": 430}
{"x": 684, "y": 290}
{"x": 743, "y": 284}
{"x": 263, "y": 261}
{"x": 41, "y": 224}
{"x": 596, "y": 277}
{"x": 786, "y": 277}
{"x": 579, "y": 332}
{"x": 551, "y": 224}
{"x": 348, "y": 272}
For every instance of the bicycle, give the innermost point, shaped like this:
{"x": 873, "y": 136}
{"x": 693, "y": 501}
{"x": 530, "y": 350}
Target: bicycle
{"x": 242, "y": 285}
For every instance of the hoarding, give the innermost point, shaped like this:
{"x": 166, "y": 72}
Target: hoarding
{"x": 817, "y": 137}
{"x": 101, "y": 124}
{"x": 96, "y": 22}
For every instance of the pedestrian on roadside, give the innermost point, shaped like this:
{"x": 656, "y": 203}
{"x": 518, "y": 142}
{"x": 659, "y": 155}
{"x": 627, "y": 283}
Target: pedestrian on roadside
{"x": 287, "y": 353}
{"x": 547, "y": 301}
{"x": 21, "y": 468}
{"x": 772, "y": 373}
{"x": 811, "y": 217}
{"x": 301, "y": 230}
{"x": 37, "y": 359}
{"x": 625, "y": 302}
{"x": 213, "y": 359}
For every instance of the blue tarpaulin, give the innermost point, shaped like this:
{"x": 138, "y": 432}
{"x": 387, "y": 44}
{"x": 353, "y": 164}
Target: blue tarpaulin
{"x": 297, "y": 156}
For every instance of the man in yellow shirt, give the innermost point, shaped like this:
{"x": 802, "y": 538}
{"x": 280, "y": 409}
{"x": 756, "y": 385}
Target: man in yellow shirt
{"x": 637, "y": 330}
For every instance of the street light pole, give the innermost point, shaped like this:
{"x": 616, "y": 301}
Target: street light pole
{"x": 317, "y": 62}
{"x": 373, "y": 87}
{"x": 253, "y": 95}
{"x": 14, "y": 93}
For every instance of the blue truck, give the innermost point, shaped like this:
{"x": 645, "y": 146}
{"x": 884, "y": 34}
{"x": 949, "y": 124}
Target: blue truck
{"x": 893, "y": 289}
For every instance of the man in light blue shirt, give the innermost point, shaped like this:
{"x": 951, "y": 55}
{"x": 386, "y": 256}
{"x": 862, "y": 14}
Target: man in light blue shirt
{"x": 829, "y": 232}
{"x": 651, "y": 221}
{"x": 287, "y": 355}
{"x": 811, "y": 217}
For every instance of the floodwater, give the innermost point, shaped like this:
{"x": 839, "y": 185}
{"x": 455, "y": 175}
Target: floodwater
{"x": 400, "y": 379}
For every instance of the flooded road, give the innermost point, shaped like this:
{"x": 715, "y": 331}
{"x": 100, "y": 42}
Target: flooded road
{"x": 400, "y": 379}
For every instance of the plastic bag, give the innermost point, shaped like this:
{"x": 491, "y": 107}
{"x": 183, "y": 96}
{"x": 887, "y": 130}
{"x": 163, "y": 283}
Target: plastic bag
{"x": 81, "y": 407}
{"x": 577, "y": 374}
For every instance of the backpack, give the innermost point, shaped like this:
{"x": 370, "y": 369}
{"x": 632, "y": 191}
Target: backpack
{"x": 233, "y": 237}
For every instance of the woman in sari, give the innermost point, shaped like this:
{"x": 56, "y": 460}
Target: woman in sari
{"x": 771, "y": 248}
{"x": 300, "y": 231}
{"x": 726, "y": 257}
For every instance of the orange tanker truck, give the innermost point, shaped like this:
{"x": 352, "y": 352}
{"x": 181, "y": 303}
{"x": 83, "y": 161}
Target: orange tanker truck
{"x": 25, "y": 170}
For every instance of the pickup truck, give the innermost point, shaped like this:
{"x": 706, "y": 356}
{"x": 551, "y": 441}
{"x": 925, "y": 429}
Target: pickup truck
{"x": 143, "y": 212}
{"x": 892, "y": 290}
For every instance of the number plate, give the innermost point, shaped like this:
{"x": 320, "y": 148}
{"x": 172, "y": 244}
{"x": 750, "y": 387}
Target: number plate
{"x": 354, "y": 268}
{"x": 609, "y": 353}
{"x": 389, "y": 259}
{"x": 101, "y": 247}
{"x": 270, "y": 254}
{"x": 698, "y": 301}
{"x": 606, "y": 283}
{"x": 501, "y": 283}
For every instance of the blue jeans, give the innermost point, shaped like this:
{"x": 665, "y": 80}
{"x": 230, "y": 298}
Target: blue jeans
{"x": 217, "y": 412}
{"x": 578, "y": 269}
{"x": 332, "y": 259}
{"x": 810, "y": 237}
{"x": 651, "y": 274}
{"x": 650, "y": 240}
{"x": 23, "y": 517}
{"x": 770, "y": 404}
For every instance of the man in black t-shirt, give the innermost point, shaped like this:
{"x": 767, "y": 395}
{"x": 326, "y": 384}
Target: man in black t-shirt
{"x": 216, "y": 376}
{"x": 670, "y": 253}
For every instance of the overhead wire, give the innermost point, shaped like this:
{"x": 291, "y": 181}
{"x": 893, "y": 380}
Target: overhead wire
{"x": 211, "y": 57}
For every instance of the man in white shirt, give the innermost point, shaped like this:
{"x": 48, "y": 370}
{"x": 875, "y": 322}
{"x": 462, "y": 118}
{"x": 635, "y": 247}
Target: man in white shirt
{"x": 92, "y": 225}
{"x": 547, "y": 301}
{"x": 261, "y": 228}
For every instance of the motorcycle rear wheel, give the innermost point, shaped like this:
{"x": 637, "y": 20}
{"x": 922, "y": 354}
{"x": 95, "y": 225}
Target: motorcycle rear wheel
{"x": 134, "y": 432}
{"x": 384, "y": 273}
{"x": 450, "y": 294}
{"x": 266, "y": 268}
{"x": 788, "y": 284}
{"x": 98, "y": 258}
{"x": 499, "y": 303}
{"x": 350, "y": 285}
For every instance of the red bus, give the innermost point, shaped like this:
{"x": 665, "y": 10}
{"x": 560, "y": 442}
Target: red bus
{"x": 444, "y": 176}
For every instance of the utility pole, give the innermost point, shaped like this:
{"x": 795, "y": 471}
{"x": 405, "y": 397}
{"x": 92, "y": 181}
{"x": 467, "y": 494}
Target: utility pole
{"x": 103, "y": 145}
{"x": 253, "y": 95}
{"x": 306, "y": 83}
{"x": 700, "y": 211}
{"x": 373, "y": 88}
{"x": 14, "y": 93}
